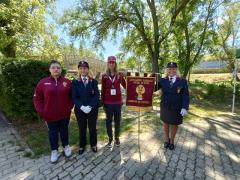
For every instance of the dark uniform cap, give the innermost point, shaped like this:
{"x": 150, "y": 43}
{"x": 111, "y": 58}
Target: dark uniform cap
{"x": 172, "y": 65}
{"x": 83, "y": 64}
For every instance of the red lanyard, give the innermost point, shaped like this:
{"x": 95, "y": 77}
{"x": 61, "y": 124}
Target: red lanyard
{"x": 112, "y": 80}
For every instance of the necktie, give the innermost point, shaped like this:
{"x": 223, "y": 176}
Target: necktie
{"x": 171, "y": 81}
{"x": 85, "y": 81}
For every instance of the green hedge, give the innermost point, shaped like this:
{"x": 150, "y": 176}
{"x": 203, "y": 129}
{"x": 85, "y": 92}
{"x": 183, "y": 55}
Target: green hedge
{"x": 217, "y": 91}
{"x": 18, "y": 79}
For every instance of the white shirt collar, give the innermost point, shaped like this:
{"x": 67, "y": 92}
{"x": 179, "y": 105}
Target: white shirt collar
{"x": 173, "y": 78}
{"x": 82, "y": 77}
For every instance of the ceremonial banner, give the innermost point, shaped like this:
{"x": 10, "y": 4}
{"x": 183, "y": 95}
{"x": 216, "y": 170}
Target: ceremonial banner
{"x": 139, "y": 93}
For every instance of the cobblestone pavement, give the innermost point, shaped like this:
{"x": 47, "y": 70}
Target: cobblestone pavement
{"x": 206, "y": 149}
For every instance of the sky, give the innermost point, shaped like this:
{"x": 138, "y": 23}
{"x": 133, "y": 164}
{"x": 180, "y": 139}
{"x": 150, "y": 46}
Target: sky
{"x": 110, "y": 47}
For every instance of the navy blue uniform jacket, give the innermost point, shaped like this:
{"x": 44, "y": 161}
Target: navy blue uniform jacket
{"x": 86, "y": 96}
{"x": 175, "y": 97}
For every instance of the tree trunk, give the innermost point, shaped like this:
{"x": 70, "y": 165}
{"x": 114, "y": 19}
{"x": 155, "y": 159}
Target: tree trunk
{"x": 186, "y": 70}
{"x": 161, "y": 66}
{"x": 189, "y": 73}
{"x": 10, "y": 50}
{"x": 155, "y": 66}
{"x": 185, "y": 74}
{"x": 231, "y": 67}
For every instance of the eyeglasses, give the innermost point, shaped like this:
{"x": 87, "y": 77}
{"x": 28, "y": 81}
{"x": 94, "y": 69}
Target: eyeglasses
{"x": 111, "y": 62}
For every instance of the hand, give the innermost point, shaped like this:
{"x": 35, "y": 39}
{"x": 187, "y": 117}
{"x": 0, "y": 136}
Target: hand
{"x": 183, "y": 112}
{"x": 84, "y": 109}
{"x": 121, "y": 73}
{"x": 88, "y": 109}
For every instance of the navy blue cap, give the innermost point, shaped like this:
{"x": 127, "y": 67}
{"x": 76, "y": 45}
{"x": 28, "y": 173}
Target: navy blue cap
{"x": 83, "y": 64}
{"x": 172, "y": 65}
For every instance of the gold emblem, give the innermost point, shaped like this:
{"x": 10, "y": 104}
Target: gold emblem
{"x": 65, "y": 84}
{"x": 179, "y": 89}
{"x": 140, "y": 90}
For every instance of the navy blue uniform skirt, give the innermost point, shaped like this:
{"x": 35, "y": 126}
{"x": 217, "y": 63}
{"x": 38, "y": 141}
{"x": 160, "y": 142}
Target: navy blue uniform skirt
{"x": 169, "y": 116}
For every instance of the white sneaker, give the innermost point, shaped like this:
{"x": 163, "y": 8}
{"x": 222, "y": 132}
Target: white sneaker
{"x": 54, "y": 156}
{"x": 67, "y": 151}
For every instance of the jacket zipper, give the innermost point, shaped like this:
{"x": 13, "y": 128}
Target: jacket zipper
{"x": 56, "y": 84}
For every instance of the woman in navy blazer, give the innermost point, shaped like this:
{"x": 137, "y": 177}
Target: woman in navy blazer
{"x": 174, "y": 102}
{"x": 85, "y": 95}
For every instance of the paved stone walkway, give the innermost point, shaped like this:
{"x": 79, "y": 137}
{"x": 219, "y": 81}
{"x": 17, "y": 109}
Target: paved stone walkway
{"x": 207, "y": 149}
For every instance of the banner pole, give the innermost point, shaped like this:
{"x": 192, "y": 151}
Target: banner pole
{"x": 139, "y": 118}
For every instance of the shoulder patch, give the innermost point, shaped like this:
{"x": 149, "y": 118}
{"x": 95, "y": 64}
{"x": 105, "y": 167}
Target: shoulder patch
{"x": 65, "y": 84}
{"x": 179, "y": 78}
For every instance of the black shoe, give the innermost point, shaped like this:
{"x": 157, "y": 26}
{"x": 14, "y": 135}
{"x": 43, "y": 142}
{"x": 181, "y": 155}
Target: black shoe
{"x": 117, "y": 142}
{"x": 171, "y": 146}
{"x": 110, "y": 142}
{"x": 94, "y": 149}
{"x": 81, "y": 151}
{"x": 166, "y": 145}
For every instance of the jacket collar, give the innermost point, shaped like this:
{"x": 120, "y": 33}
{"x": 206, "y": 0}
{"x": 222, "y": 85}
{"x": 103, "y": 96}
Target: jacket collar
{"x": 52, "y": 78}
{"x": 177, "y": 78}
{"x": 89, "y": 78}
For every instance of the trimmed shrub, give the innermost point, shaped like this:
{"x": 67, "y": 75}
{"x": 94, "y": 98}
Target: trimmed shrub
{"x": 211, "y": 89}
{"x": 18, "y": 79}
{"x": 216, "y": 91}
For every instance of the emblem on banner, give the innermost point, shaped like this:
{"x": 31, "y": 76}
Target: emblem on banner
{"x": 140, "y": 90}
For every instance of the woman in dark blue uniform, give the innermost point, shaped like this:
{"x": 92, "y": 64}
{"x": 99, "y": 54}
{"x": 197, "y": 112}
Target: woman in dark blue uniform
{"x": 85, "y": 95}
{"x": 174, "y": 103}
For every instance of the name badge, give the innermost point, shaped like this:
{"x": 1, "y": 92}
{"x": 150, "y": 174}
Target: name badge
{"x": 113, "y": 92}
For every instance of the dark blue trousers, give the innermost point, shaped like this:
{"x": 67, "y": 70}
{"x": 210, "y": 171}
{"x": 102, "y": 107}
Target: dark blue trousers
{"x": 56, "y": 128}
{"x": 113, "y": 111}
{"x": 84, "y": 121}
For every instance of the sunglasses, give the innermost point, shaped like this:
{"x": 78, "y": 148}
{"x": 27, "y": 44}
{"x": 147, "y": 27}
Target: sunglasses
{"x": 111, "y": 62}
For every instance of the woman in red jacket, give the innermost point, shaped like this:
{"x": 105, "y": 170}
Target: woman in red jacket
{"x": 52, "y": 100}
{"x": 112, "y": 98}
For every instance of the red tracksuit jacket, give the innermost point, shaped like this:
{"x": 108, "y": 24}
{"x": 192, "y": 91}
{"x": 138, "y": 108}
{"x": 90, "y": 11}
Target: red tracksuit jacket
{"x": 107, "y": 98}
{"x": 52, "y": 99}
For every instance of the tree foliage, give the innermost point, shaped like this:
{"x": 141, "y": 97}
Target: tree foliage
{"x": 148, "y": 22}
{"x": 24, "y": 31}
{"x": 20, "y": 21}
{"x": 194, "y": 33}
{"x": 228, "y": 33}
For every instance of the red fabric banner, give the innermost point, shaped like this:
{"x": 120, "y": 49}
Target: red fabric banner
{"x": 139, "y": 93}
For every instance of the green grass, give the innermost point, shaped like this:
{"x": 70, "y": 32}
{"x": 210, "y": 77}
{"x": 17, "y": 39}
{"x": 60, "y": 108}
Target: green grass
{"x": 38, "y": 142}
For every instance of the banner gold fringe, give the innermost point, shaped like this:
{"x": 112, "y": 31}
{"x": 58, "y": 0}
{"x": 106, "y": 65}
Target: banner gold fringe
{"x": 137, "y": 108}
